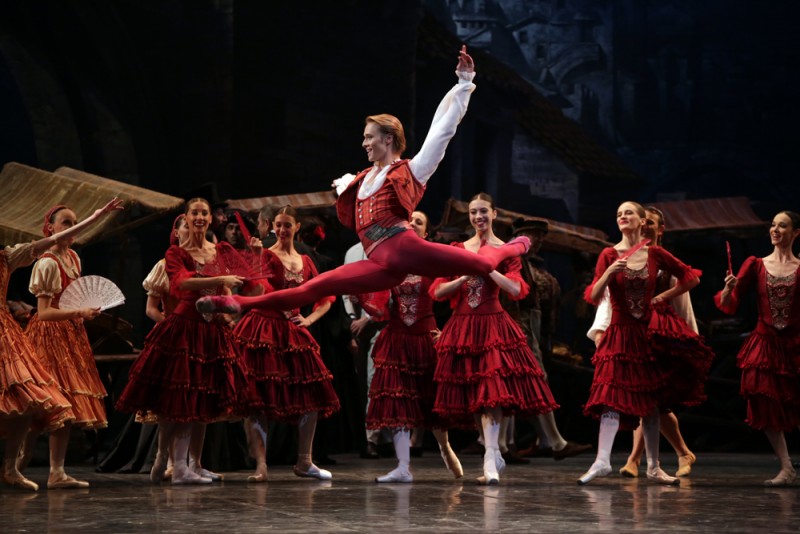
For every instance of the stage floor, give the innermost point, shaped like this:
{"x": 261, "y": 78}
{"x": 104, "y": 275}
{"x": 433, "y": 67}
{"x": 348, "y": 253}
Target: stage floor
{"x": 724, "y": 494}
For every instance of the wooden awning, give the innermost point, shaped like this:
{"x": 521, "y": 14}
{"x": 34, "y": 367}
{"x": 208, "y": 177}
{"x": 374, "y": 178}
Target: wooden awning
{"x": 728, "y": 214}
{"x": 320, "y": 199}
{"x": 28, "y": 192}
{"x": 561, "y": 237}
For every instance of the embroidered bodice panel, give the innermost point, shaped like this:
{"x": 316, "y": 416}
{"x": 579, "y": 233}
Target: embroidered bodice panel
{"x": 780, "y": 290}
{"x": 407, "y": 295}
{"x": 636, "y": 282}
{"x": 474, "y": 287}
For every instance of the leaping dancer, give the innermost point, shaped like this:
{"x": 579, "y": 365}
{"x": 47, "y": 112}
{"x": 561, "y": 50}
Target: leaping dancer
{"x": 377, "y": 203}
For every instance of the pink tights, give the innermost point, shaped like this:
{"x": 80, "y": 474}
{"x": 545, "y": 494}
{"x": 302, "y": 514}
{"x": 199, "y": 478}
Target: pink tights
{"x": 387, "y": 266}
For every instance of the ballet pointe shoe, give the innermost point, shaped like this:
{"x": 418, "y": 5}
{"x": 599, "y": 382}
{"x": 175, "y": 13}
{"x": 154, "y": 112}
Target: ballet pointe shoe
{"x": 490, "y": 477}
{"x": 785, "y": 477}
{"x": 522, "y": 242}
{"x": 396, "y": 475}
{"x": 16, "y": 480}
{"x": 64, "y": 481}
{"x": 658, "y": 475}
{"x": 452, "y": 463}
{"x": 159, "y": 469}
{"x": 260, "y": 475}
{"x": 218, "y": 304}
{"x": 205, "y": 473}
{"x": 598, "y": 469}
{"x": 630, "y": 470}
{"x": 313, "y": 472}
{"x": 185, "y": 477}
{"x": 685, "y": 464}
{"x": 499, "y": 462}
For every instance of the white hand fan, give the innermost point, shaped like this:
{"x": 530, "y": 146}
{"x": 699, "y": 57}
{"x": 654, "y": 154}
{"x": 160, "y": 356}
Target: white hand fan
{"x": 91, "y": 292}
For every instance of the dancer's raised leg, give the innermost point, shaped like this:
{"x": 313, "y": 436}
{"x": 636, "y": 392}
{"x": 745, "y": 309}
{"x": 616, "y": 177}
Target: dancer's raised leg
{"x": 406, "y": 253}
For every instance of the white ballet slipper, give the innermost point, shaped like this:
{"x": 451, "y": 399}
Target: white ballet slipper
{"x": 396, "y": 475}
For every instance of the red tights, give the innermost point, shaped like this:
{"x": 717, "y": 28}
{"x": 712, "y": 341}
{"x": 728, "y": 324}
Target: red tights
{"x": 390, "y": 262}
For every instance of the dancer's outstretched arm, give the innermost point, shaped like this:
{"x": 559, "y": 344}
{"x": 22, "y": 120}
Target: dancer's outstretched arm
{"x": 445, "y": 121}
{"x": 41, "y": 245}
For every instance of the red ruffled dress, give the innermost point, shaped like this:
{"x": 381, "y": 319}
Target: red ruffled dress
{"x": 26, "y": 388}
{"x": 63, "y": 347}
{"x": 283, "y": 359}
{"x": 648, "y": 357}
{"x": 402, "y": 391}
{"x": 190, "y": 369}
{"x": 770, "y": 357}
{"x": 157, "y": 285}
{"x": 484, "y": 360}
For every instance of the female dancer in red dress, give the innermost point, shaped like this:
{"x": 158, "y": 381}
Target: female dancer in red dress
{"x": 653, "y": 229}
{"x": 485, "y": 365}
{"x": 283, "y": 358}
{"x": 633, "y": 371}
{"x": 377, "y": 204}
{"x": 161, "y": 303}
{"x": 770, "y": 357}
{"x": 29, "y": 395}
{"x": 190, "y": 370}
{"x": 402, "y": 391}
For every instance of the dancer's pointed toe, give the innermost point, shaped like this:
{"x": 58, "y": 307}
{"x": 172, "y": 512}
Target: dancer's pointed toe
{"x": 785, "y": 478}
{"x": 658, "y": 475}
{"x": 218, "y": 304}
{"x": 630, "y": 470}
{"x": 522, "y": 242}
{"x": 396, "y": 475}
{"x": 452, "y": 462}
{"x": 16, "y": 480}
{"x": 685, "y": 465}
{"x": 313, "y": 472}
{"x": 598, "y": 469}
{"x": 66, "y": 482}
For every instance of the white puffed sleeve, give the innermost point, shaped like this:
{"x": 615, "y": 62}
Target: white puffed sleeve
{"x": 157, "y": 282}
{"x": 45, "y": 278}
